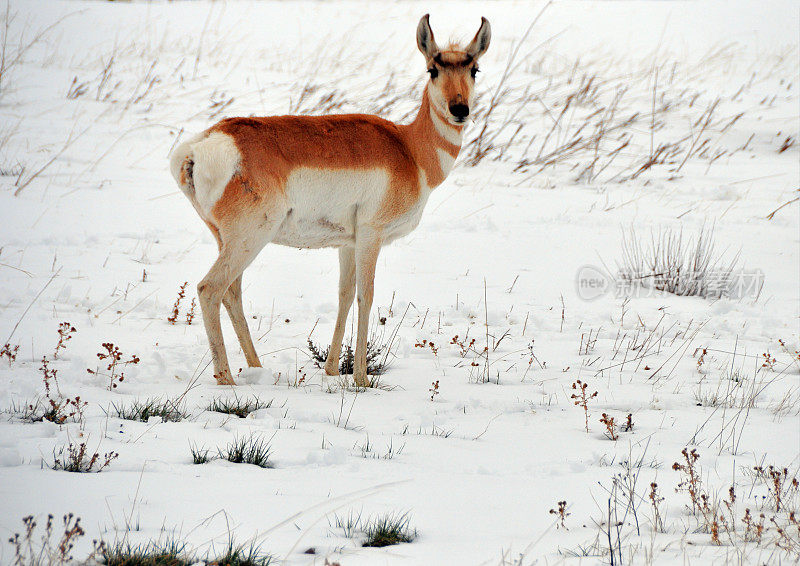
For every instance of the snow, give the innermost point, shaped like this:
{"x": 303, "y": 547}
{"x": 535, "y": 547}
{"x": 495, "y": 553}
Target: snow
{"x": 103, "y": 239}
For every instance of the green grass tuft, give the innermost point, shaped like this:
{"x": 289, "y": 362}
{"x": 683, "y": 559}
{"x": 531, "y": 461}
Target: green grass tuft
{"x": 29, "y": 411}
{"x": 389, "y": 529}
{"x": 200, "y": 455}
{"x": 248, "y": 450}
{"x": 168, "y": 410}
{"x": 242, "y": 555}
{"x": 236, "y": 406}
{"x": 379, "y": 531}
{"x": 350, "y": 525}
{"x": 168, "y": 553}
{"x": 172, "y": 552}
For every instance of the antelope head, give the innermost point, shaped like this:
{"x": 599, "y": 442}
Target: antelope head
{"x": 451, "y": 87}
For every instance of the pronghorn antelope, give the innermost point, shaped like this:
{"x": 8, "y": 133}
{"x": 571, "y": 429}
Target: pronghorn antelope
{"x": 354, "y": 182}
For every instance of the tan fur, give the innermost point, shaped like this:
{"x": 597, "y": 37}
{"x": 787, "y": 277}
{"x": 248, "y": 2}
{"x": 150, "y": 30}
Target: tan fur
{"x": 244, "y": 176}
{"x": 323, "y": 142}
{"x": 422, "y": 139}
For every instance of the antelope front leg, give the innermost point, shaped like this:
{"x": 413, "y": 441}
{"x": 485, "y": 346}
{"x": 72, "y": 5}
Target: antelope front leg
{"x": 368, "y": 245}
{"x": 347, "y": 290}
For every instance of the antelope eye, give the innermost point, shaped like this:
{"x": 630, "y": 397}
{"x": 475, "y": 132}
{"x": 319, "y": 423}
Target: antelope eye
{"x": 434, "y": 72}
{"x": 473, "y": 71}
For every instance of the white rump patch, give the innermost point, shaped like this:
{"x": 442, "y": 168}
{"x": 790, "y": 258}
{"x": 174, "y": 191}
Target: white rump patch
{"x": 179, "y": 155}
{"x": 216, "y": 159}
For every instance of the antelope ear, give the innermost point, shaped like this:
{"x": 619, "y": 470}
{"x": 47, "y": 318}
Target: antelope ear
{"x": 480, "y": 43}
{"x": 425, "y": 41}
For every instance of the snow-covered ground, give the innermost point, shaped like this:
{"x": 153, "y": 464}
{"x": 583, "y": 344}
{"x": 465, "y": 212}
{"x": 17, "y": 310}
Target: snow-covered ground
{"x": 94, "y": 232}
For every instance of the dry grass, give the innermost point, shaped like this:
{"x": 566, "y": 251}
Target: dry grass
{"x": 595, "y": 118}
{"x": 78, "y": 458}
{"x": 669, "y": 262}
{"x": 16, "y": 40}
{"x": 46, "y": 547}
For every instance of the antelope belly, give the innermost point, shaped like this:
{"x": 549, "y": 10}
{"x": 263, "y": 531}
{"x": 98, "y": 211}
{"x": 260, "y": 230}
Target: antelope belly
{"x": 325, "y": 205}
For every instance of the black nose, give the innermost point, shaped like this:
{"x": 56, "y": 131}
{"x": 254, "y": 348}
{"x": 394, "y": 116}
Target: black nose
{"x": 460, "y": 111}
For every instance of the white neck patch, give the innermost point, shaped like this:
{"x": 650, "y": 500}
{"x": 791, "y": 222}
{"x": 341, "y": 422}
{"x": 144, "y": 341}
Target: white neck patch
{"x": 448, "y": 133}
{"x": 446, "y": 161}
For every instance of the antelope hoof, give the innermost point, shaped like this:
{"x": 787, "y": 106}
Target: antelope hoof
{"x": 361, "y": 380}
{"x": 224, "y": 378}
{"x": 332, "y": 367}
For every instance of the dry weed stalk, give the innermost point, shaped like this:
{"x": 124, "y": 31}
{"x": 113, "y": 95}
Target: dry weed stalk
{"x": 691, "y": 483}
{"x": 704, "y": 121}
{"x": 588, "y": 342}
{"x": 77, "y": 89}
{"x": 771, "y": 215}
{"x": 173, "y": 318}
{"x": 190, "y": 315}
{"x": 768, "y": 361}
{"x": 28, "y": 551}
{"x": 12, "y": 53}
{"x": 561, "y": 515}
{"x": 611, "y": 427}
{"x": 105, "y": 76}
{"x": 754, "y": 529}
{"x": 426, "y": 344}
{"x": 479, "y": 146}
{"x": 65, "y": 332}
{"x": 795, "y": 357}
{"x": 23, "y": 181}
{"x": 532, "y": 358}
{"x": 464, "y": 347}
{"x": 581, "y": 399}
{"x": 434, "y": 390}
{"x": 628, "y": 425}
{"x": 78, "y": 459}
{"x": 714, "y": 519}
{"x": 55, "y": 408}
{"x": 786, "y": 540}
{"x": 655, "y": 501}
{"x": 701, "y": 359}
{"x": 10, "y": 352}
{"x": 115, "y": 366}
{"x": 781, "y": 485}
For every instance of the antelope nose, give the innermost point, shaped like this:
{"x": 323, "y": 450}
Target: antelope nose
{"x": 460, "y": 111}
